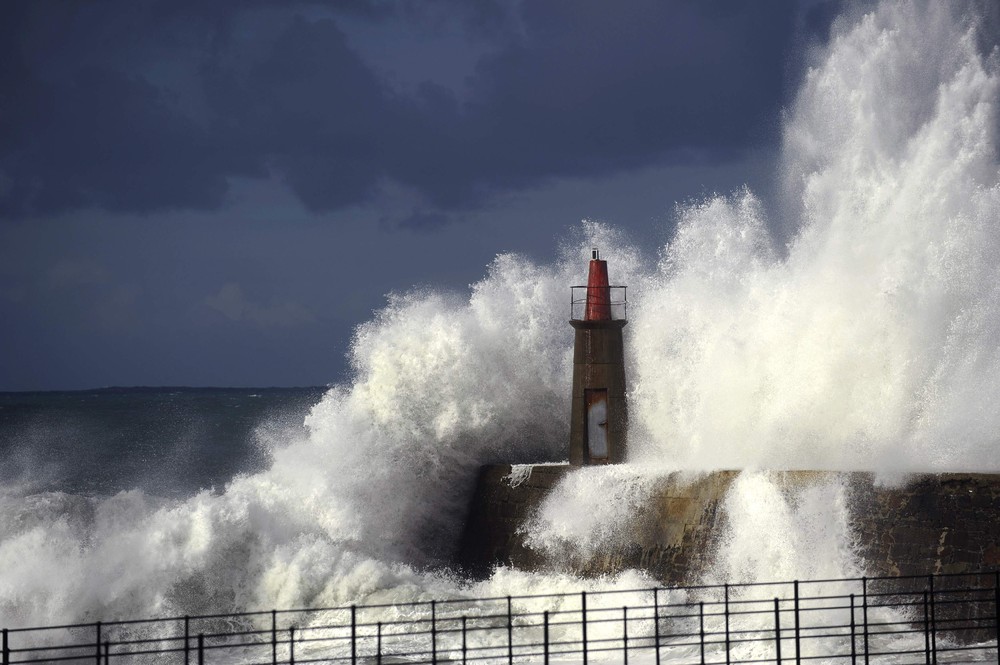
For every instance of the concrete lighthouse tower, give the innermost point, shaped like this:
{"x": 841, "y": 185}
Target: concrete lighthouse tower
{"x": 599, "y": 413}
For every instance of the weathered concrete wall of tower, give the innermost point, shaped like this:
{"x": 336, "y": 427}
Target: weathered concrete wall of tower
{"x": 933, "y": 523}
{"x": 598, "y": 362}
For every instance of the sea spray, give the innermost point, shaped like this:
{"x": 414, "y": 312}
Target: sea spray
{"x": 865, "y": 339}
{"x": 792, "y": 525}
{"x": 870, "y": 341}
{"x": 589, "y": 511}
{"x": 366, "y": 503}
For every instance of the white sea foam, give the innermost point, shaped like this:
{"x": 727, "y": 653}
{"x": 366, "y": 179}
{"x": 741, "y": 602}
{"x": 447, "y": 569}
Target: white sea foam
{"x": 792, "y": 528}
{"x": 590, "y": 510}
{"x": 865, "y": 339}
{"x": 871, "y": 340}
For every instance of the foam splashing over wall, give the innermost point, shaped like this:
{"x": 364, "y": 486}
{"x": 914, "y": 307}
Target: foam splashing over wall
{"x": 869, "y": 339}
{"x": 872, "y": 340}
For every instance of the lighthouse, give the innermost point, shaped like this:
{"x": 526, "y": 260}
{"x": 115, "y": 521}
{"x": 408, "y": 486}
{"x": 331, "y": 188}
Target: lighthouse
{"x": 599, "y": 417}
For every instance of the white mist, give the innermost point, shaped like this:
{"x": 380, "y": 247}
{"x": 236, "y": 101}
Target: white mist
{"x": 866, "y": 340}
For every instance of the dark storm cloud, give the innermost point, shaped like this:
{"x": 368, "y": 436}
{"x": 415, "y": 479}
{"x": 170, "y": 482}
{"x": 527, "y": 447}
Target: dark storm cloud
{"x": 313, "y": 112}
{"x": 79, "y": 129}
{"x": 592, "y": 89}
{"x": 151, "y": 106}
{"x": 134, "y": 154}
{"x": 422, "y": 221}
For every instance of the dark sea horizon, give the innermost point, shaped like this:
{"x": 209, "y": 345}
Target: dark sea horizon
{"x": 168, "y": 441}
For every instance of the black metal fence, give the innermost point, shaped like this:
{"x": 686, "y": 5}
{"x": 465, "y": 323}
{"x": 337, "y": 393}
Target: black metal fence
{"x": 930, "y": 619}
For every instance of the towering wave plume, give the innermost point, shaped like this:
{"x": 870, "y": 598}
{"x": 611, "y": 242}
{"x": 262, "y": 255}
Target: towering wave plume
{"x": 869, "y": 340}
{"x": 374, "y": 491}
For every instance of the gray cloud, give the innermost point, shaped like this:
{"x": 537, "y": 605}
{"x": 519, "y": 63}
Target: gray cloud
{"x": 151, "y": 106}
{"x": 232, "y": 303}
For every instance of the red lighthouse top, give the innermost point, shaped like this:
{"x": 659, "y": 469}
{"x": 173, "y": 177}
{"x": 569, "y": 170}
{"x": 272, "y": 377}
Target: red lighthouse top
{"x": 597, "y": 301}
{"x": 598, "y": 290}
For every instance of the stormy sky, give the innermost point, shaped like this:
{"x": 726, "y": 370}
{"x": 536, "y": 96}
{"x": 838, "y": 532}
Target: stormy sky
{"x": 216, "y": 193}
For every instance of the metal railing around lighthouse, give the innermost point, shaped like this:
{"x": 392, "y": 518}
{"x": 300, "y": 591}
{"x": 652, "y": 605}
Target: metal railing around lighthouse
{"x": 918, "y": 619}
{"x": 614, "y": 297}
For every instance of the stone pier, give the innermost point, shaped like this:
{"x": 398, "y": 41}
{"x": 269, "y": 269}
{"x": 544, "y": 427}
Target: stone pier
{"x": 942, "y": 523}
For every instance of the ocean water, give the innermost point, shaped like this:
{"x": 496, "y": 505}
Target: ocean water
{"x": 855, "y": 326}
{"x": 167, "y": 442}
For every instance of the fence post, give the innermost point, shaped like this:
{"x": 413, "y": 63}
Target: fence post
{"x": 354, "y": 633}
{"x": 291, "y": 645}
{"x": 545, "y": 637}
{"x": 510, "y": 633}
{"x": 274, "y": 637}
{"x": 854, "y": 649}
{"x": 187, "y": 639}
{"x": 726, "y": 613}
{"x": 927, "y": 631}
{"x": 864, "y": 614}
{"x": 656, "y": 623}
{"x": 625, "y": 632}
{"x": 798, "y": 659}
{"x": 583, "y": 623}
{"x": 6, "y": 648}
{"x": 97, "y": 643}
{"x": 463, "y": 641}
{"x": 201, "y": 649}
{"x": 996, "y": 610}
{"x": 378, "y": 644}
{"x": 777, "y": 631}
{"x": 434, "y": 645}
{"x": 701, "y": 630}
{"x": 930, "y": 585}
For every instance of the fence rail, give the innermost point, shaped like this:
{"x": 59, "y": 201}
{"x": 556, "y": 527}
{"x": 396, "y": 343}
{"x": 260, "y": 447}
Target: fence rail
{"x": 923, "y": 619}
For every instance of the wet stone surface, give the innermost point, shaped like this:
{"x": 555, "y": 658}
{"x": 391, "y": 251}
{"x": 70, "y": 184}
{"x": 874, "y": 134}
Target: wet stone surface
{"x": 943, "y": 523}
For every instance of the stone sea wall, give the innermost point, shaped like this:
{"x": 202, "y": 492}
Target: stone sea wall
{"x": 945, "y": 523}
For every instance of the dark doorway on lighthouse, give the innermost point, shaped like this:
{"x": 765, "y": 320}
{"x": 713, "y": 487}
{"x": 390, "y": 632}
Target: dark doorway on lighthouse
{"x": 596, "y": 401}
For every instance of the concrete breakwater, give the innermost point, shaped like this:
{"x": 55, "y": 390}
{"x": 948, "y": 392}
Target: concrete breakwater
{"x": 932, "y": 523}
